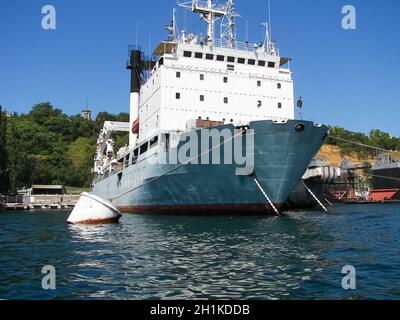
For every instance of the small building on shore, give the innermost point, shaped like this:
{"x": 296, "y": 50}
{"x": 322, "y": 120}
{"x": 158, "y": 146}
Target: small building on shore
{"x": 42, "y": 196}
{"x": 47, "y": 190}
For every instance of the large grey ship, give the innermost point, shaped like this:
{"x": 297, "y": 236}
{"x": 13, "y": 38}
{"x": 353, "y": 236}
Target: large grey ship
{"x": 194, "y": 109}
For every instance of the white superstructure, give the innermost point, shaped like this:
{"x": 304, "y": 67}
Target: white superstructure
{"x": 216, "y": 79}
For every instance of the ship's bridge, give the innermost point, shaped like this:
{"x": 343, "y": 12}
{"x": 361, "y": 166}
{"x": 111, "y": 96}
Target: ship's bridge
{"x": 242, "y": 53}
{"x": 217, "y": 83}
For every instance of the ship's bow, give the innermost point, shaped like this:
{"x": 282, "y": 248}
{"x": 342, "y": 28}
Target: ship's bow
{"x": 282, "y": 154}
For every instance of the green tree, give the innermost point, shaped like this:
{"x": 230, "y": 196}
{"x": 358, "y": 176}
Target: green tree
{"x": 383, "y": 140}
{"x": 4, "y": 184}
{"x": 47, "y": 146}
{"x": 80, "y": 154}
{"x": 350, "y": 143}
{"x": 19, "y": 168}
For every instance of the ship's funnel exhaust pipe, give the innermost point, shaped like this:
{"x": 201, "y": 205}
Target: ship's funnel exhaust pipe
{"x": 134, "y": 65}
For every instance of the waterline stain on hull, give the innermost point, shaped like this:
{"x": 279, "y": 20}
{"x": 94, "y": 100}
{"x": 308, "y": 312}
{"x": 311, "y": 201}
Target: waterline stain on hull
{"x": 228, "y": 209}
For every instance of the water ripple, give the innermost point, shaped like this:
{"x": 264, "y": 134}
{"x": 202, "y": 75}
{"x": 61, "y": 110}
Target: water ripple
{"x": 190, "y": 257}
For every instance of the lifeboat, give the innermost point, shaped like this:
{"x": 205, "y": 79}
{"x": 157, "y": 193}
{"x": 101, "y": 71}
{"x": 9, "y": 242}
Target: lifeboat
{"x": 135, "y": 126}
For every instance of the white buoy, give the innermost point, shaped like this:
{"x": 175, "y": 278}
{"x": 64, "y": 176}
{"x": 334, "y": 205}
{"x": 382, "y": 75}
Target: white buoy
{"x": 91, "y": 209}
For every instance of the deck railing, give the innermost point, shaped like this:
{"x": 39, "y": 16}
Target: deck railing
{"x": 237, "y": 45}
{"x": 16, "y": 199}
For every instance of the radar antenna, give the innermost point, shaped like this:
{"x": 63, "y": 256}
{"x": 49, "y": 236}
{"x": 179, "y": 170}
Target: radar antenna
{"x": 210, "y": 12}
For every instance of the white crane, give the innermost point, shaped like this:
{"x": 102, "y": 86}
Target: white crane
{"x": 104, "y": 143}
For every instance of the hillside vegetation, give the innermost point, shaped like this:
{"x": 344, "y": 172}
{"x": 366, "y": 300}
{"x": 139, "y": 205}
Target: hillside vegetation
{"x": 333, "y": 155}
{"x": 343, "y": 144}
{"x": 47, "y": 146}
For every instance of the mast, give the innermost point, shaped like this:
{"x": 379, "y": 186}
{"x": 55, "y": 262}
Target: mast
{"x": 172, "y": 28}
{"x": 228, "y": 25}
{"x": 209, "y": 12}
{"x": 269, "y": 45}
{"x": 211, "y": 23}
{"x": 267, "y": 39}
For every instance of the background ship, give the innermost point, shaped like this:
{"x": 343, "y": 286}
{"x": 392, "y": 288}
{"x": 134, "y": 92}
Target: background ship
{"x": 195, "y": 84}
{"x": 385, "y": 179}
{"x": 324, "y": 181}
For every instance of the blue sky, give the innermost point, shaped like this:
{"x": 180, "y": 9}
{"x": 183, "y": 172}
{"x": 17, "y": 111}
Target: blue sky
{"x": 348, "y": 78}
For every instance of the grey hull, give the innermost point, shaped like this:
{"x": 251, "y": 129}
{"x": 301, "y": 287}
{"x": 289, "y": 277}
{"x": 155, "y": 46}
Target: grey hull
{"x": 281, "y": 156}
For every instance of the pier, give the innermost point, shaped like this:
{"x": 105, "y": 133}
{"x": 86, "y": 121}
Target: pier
{"x": 40, "y": 202}
{"x": 39, "y": 197}
{"x": 15, "y": 206}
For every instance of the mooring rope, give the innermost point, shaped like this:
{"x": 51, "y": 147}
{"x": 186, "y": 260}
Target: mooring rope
{"x": 314, "y": 196}
{"x": 266, "y": 197}
{"x": 365, "y": 145}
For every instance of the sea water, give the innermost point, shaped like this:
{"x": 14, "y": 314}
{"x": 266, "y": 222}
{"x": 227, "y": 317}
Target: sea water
{"x": 298, "y": 256}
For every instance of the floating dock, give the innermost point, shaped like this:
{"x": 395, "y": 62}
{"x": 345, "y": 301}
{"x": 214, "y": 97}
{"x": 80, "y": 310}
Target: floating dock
{"x": 39, "y": 201}
{"x": 16, "y": 206}
{"x": 25, "y": 206}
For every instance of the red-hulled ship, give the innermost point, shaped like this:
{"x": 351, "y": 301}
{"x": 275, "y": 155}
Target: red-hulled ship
{"x": 385, "y": 179}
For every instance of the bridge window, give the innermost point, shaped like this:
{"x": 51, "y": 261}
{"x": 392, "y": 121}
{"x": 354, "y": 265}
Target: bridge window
{"x": 143, "y": 148}
{"x": 225, "y": 79}
{"x": 271, "y": 64}
{"x": 187, "y": 54}
{"x": 251, "y": 62}
{"x": 209, "y": 56}
{"x": 231, "y": 59}
{"x": 177, "y": 96}
{"x": 241, "y": 60}
{"x": 226, "y": 100}
{"x": 178, "y": 74}
{"x": 198, "y": 55}
{"x": 258, "y": 83}
{"x": 259, "y": 103}
{"x": 220, "y": 58}
{"x": 279, "y": 105}
{"x": 154, "y": 141}
{"x": 202, "y": 77}
{"x": 201, "y": 98}
{"x": 261, "y": 63}
{"x": 279, "y": 86}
